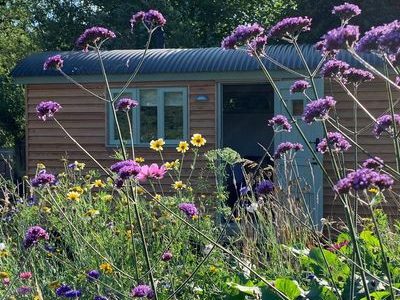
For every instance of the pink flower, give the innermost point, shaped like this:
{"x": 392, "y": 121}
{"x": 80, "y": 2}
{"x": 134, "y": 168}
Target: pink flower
{"x": 153, "y": 171}
{"x": 6, "y": 281}
{"x": 25, "y": 275}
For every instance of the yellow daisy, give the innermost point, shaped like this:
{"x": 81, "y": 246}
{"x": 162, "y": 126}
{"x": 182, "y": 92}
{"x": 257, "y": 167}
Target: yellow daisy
{"x": 98, "y": 183}
{"x": 182, "y": 147}
{"x": 172, "y": 165}
{"x": 179, "y": 185}
{"x": 92, "y": 213}
{"x": 74, "y": 196}
{"x": 46, "y": 209}
{"x": 4, "y": 275}
{"x": 106, "y": 268}
{"x": 197, "y": 140}
{"x": 139, "y": 159}
{"x": 157, "y": 145}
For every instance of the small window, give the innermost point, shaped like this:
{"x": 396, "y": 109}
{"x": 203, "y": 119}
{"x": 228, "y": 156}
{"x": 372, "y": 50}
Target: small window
{"x": 297, "y": 107}
{"x": 162, "y": 113}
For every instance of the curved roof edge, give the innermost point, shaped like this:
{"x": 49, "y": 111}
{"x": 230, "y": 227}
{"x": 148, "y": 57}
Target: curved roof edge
{"x": 164, "y": 61}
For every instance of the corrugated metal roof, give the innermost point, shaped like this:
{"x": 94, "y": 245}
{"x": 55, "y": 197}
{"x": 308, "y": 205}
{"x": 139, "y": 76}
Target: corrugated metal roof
{"x": 159, "y": 61}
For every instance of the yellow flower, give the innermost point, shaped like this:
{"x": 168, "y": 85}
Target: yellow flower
{"x": 128, "y": 234}
{"x": 139, "y": 190}
{"x": 74, "y": 196}
{"x": 106, "y": 268}
{"x": 46, "y": 209}
{"x": 179, "y": 185}
{"x": 98, "y": 183}
{"x": 373, "y": 190}
{"x": 198, "y": 140}
{"x": 157, "y": 197}
{"x": 92, "y": 213}
{"x": 4, "y": 275}
{"x": 213, "y": 269}
{"x": 54, "y": 284}
{"x": 182, "y": 147}
{"x": 77, "y": 189}
{"x": 41, "y": 166}
{"x": 172, "y": 165}
{"x": 139, "y": 159}
{"x": 4, "y": 253}
{"x": 37, "y": 297}
{"x": 157, "y": 145}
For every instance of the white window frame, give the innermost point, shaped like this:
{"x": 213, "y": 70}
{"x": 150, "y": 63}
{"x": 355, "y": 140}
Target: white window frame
{"x": 113, "y": 141}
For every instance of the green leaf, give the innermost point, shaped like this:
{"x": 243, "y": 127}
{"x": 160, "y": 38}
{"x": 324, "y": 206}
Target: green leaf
{"x": 381, "y": 295}
{"x": 339, "y": 270}
{"x": 248, "y": 290}
{"x": 288, "y": 287}
{"x": 321, "y": 293}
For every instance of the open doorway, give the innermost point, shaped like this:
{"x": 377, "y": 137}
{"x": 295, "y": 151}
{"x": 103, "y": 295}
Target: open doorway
{"x": 246, "y": 108}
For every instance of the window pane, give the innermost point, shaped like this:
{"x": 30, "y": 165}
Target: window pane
{"x": 173, "y": 115}
{"x": 148, "y": 115}
{"x": 122, "y": 120}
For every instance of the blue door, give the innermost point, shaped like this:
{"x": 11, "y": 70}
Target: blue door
{"x": 304, "y": 167}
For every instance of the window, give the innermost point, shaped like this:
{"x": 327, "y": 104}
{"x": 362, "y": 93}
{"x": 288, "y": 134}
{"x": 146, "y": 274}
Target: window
{"x": 162, "y": 113}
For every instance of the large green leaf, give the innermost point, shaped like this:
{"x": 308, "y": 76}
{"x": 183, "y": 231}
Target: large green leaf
{"x": 339, "y": 270}
{"x": 318, "y": 292}
{"x": 288, "y": 287}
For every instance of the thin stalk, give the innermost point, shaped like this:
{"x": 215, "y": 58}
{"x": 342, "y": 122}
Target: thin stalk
{"x": 384, "y": 257}
{"x": 373, "y": 69}
{"x": 394, "y": 124}
{"x": 81, "y": 86}
{"x": 81, "y": 147}
{"x": 277, "y": 63}
{"x": 131, "y": 134}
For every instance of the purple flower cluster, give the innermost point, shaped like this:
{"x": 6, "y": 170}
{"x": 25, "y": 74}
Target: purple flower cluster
{"x": 285, "y": 147}
{"x": 334, "y": 67}
{"x": 257, "y": 45}
{"x": 126, "y": 169}
{"x": 373, "y": 163}
{"x": 67, "y": 292}
{"x": 47, "y": 109}
{"x": 346, "y": 11}
{"x": 290, "y": 27}
{"x": 339, "y": 38}
{"x": 381, "y": 39}
{"x": 357, "y": 76}
{"x": 24, "y": 290}
{"x": 318, "y": 109}
{"x": 151, "y": 19}
{"x": 280, "y": 122}
{"x": 335, "y": 141}
{"x": 242, "y": 35}
{"x": 299, "y": 86}
{"x": 126, "y": 104}
{"x": 93, "y": 275}
{"x": 130, "y": 168}
{"x": 384, "y": 123}
{"x": 43, "y": 178}
{"x": 362, "y": 179}
{"x": 189, "y": 209}
{"x": 166, "y": 256}
{"x": 55, "y": 62}
{"x": 264, "y": 187}
{"x": 33, "y": 235}
{"x": 142, "y": 291}
{"x": 93, "y": 35}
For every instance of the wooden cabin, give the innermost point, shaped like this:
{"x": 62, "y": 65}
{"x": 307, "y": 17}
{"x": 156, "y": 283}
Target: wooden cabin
{"x": 221, "y": 94}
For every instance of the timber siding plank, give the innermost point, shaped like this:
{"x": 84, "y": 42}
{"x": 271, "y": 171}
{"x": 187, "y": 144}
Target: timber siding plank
{"x": 84, "y": 117}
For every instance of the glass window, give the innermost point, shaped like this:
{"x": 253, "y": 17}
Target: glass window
{"x": 162, "y": 113}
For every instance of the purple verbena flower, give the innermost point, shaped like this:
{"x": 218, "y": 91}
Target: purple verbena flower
{"x": 73, "y": 294}
{"x": 385, "y": 123}
{"x": 286, "y": 147}
{"x": 299, "y": 86}
{"x": 389, "y": 41}
{"x": 318, "y": 109}
{"x": 93, "y": 275}
{"x": 154, "y": 18}
{"x": 242, "y": 35}
{"x": 334, "y": 67}
{"x": 346, "y": 11}
{"x": 142, "y": 291}
{"x": 33, "y": 235}
{"x": 61, "y": 290}
{"x": 362, "y": 179}
{"x": 129, "y": 170}
{"x": 373, "y": 163}
{"x": 98, "y": 297}
{"x": 118, "y": 165}
{"x": 24, "y": 290}
{"x": 370, "y": 40}
{"x": 137, "y": 18}
{"x": 335, "y": 141}
{"x": 55, "y": 62}
{"x": 357, "y": 76}
{"x": 290, "y": 27}
{"x": 92, "y": 36}
{"x": 340, "y": 38}
{"x": 166, "y": 256}
{"x": 47, "y": 109}
{"x": 126, "y": 104}
{"x": 280, "y": 122}
{"x": 257, "y": 45}
{"x": 264, "y": 187}
{"x": 189, "y": 209}
{"x": 43, "y": 178}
